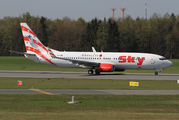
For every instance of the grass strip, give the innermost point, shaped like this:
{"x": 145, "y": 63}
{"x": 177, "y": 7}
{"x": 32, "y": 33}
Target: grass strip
{"x": 86, "y": 84}
{"x": 96, "y": 107}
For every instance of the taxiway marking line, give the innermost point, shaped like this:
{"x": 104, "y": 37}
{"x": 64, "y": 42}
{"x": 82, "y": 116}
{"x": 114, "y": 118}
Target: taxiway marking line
{"x": 48, "y": 93}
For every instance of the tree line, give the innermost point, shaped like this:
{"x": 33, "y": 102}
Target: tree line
{"x": 158, "y": 34}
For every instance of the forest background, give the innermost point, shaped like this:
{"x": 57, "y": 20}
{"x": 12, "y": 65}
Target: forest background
{"x": 157, "y": 34}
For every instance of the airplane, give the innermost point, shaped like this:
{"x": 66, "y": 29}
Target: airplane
{"x": 98, "y": 61}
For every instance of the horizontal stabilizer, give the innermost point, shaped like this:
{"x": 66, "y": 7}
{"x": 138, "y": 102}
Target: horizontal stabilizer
{"x": 23, "y": 53}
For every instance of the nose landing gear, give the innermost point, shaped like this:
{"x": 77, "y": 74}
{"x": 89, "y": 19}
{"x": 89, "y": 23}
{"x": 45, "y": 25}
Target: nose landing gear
{"x": 156, "y": 73}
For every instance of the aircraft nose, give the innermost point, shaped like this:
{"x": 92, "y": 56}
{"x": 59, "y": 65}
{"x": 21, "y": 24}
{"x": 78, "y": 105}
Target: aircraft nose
{"x": 171, "y": 63}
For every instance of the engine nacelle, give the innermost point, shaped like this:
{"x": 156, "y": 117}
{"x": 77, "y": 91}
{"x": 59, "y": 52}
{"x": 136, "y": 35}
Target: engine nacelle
{"x": 105, "y": 68}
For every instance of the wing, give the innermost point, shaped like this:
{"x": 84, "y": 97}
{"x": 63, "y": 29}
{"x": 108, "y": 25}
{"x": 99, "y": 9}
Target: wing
{"x": 81, "y": 63}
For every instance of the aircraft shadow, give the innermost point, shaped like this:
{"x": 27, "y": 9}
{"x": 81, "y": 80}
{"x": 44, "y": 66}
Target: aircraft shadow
{"x": 107, "y": 74}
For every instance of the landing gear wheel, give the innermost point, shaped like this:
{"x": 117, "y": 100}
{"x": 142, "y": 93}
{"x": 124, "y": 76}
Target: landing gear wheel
{"x": 156, "y": 73}
{"x": 90, "y": 72}
{"x": 97, "y": 73}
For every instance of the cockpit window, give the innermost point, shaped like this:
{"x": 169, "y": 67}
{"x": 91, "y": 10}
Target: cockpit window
{"x": 162, "y": 58}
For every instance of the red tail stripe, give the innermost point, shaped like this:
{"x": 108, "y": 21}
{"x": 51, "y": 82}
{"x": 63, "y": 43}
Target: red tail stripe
{"x": 38, "y": 43}
{"x": 51, "y": 54}
{"x": 26, "y": 38}
{"x": 28, "y": 48}
{"x": 42, "y": 46}
{"x": 26, "y": 29}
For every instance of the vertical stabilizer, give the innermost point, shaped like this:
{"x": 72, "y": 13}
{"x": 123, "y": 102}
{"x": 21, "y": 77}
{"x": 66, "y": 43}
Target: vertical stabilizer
{"x": 33, "y": 44}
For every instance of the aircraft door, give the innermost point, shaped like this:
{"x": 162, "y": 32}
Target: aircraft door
{"x": 152, "y": 60}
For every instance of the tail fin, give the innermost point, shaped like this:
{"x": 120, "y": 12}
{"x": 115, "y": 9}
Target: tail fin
{"x": 32, "y": 43}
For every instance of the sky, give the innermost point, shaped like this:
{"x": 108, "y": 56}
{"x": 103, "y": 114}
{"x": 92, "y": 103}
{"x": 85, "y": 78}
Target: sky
{"x": 86, "y": 9}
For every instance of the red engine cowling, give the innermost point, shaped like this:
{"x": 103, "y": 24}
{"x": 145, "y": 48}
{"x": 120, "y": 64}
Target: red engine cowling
{"x": 105, "y": 68}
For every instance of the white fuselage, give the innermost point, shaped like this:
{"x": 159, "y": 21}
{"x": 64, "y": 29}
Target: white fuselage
{"x": 121, "y": 60}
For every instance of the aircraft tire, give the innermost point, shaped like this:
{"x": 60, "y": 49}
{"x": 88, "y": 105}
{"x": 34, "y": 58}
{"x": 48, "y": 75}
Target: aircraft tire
{"x": 156, "y": 73}
{"x": 96, "y": 72}
{"x": 90, "y": 72}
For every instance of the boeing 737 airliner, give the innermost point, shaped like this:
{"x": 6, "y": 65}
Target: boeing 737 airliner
{"x": 99, "y": 61}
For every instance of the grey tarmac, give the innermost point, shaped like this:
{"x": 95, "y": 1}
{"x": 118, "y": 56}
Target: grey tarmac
{"x": 112, "y": 92}
{"x": 85, "y": 75}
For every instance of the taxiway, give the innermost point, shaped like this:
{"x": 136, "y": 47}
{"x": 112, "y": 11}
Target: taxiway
{"x": 112, "y": 92}
{"x": 127, "y": 76}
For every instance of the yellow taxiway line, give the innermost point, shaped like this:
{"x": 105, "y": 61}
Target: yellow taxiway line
{"x": 48, "y": 93}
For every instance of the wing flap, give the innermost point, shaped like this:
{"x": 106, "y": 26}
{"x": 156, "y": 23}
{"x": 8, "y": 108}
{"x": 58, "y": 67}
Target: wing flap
{"x": 81, "y": 62}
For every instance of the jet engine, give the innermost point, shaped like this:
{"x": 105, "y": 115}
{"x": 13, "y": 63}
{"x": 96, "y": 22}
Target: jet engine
{"x": 105, "y": 68}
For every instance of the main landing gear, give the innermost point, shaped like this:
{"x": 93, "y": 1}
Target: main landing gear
{"x": 91, "y": 72}
{"x": 97, "y": 72}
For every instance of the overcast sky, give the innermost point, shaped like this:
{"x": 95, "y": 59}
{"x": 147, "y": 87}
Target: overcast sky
{"x": 87, "y": 9}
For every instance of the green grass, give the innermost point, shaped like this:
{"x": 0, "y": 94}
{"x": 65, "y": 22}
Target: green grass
{"x": 24, "y": 64}
{"x": 86, "y": 84}
{"x": 90, "y": 107}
